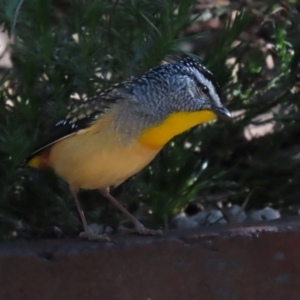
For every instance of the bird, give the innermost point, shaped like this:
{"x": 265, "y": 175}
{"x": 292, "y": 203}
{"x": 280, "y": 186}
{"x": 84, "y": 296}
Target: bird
{"x": 111, "y": 136}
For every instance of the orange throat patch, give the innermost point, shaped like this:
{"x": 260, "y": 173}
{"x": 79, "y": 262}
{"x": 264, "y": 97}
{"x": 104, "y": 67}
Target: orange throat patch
{"x": 176, "y": 123}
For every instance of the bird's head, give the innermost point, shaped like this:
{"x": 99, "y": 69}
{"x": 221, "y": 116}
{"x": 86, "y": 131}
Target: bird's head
{"x": 170, "y": 99}
{"x": 197, "y": 89}
{"x": 184, "y": 86}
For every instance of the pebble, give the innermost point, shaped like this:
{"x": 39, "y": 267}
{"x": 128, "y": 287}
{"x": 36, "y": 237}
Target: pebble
{"x": 236, "y": 214}
{"x": 184, "y": 222}
{"x": 264, "y": 214}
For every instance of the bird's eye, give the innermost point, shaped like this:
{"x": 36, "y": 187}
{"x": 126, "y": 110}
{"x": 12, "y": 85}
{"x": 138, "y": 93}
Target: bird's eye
{"x": 204, "y": 90}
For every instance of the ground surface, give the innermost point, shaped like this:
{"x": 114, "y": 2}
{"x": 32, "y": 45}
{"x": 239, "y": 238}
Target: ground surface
{"x": 257, "y": 261}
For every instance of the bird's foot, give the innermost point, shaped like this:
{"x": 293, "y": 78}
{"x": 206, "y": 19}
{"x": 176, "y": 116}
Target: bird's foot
{"x": 141, "y": 229}
{"x": 92, "y": 236}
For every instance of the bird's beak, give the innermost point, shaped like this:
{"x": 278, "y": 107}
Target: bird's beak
{"x": 222, "y": 112}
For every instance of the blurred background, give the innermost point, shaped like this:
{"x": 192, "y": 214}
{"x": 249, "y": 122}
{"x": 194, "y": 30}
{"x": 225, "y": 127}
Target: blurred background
{"x": 56, "y": 52}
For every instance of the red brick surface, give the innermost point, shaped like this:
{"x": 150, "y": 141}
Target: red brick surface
{"x": 259, "y": 261}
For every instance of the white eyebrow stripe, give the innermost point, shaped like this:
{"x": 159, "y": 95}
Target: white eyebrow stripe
{"x": 209, "y": 84}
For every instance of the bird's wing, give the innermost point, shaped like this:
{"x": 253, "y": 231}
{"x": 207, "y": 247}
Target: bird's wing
{"x": 81, "y": 115}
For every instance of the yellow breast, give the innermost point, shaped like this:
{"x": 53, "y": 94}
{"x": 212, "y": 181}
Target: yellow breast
{"x": 176, "y": 123}
{"x": 98, "y": 160}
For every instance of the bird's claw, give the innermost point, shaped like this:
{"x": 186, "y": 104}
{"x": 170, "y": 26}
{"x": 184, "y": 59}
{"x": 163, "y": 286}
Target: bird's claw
{"x": 92, "y": 236}
{"x": 141, "y": 229}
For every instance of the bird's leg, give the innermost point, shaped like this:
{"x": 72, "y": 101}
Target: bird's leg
{"x": 138, "y": 227}
{"x": 88, "y": 232}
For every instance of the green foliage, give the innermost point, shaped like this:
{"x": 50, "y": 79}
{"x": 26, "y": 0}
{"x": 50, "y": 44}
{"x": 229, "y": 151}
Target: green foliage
{"x": 78, "y": 47}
